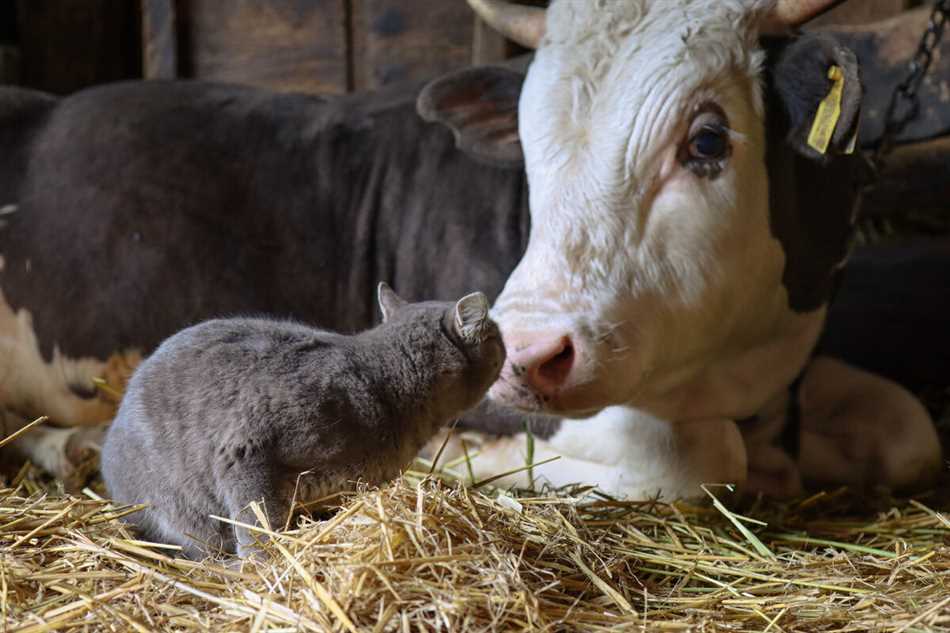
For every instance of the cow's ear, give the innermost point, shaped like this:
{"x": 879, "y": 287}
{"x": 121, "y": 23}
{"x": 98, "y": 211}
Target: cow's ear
{"x": 804, "y": 79}
{"x": 480, "y": 106}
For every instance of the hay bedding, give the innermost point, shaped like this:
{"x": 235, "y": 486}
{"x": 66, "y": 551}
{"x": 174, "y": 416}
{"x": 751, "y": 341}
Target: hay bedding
{"x": 427, "y": 553}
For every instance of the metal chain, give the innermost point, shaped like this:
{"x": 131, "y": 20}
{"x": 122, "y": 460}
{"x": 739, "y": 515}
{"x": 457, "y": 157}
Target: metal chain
{"x": 905, "y": 104}
{"x": 903, "y": 108}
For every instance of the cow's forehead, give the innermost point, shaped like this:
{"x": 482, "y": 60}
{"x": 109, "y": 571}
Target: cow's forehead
{"x": 623, "y": 40}
{"x": 576, "y": 20}
{"x": 599, "y": 36}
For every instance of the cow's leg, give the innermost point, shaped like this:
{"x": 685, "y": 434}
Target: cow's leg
{"x": 624, "y": 452}
{"x": 70, "y": 455}
{"x": 863, "y": 430}
{"x": 772, "y": 470}
{"x": 62, "y": 388}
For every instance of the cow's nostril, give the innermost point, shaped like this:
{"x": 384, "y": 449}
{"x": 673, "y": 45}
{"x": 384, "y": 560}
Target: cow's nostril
{"x": 556, "y": 369}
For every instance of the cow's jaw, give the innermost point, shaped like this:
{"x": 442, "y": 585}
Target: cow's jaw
{"x": 651, "y": 271}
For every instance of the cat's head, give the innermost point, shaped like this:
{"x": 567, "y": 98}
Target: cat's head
{"x": 459, "y": 339}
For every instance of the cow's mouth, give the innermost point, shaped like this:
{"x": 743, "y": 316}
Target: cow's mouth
{"x": 511, "y": 392}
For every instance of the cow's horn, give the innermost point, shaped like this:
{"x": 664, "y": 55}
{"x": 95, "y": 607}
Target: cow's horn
{"x": 792, "y": 13}
{"x": 524, "y": 25}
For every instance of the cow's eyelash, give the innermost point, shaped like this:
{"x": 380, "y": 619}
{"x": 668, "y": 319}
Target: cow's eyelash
{"x": 705, "y": 168}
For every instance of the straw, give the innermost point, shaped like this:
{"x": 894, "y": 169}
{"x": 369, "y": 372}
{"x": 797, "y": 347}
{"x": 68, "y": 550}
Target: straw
{"x": 433, "y": 554}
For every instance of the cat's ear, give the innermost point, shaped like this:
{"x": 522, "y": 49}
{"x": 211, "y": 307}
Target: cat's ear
{"x": 389, "y": 301}
{"x": 471, "y": 313}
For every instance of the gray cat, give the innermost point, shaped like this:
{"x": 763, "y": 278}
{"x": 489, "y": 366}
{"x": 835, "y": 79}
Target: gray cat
{"x": 232, "y": 411}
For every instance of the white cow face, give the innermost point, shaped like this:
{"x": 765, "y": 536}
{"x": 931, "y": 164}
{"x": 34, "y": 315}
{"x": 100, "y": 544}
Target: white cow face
{"x": 644, "y": 145}
{"x": 651, "y": 255}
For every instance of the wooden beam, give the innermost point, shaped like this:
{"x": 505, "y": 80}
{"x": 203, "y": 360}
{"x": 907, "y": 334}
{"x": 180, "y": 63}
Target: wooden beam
{"x": 914, "y": 185}
{"x": 159, "y": 39}
{"x": 488, "y": 46}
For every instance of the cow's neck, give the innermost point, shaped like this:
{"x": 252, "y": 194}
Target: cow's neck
{"x": 403, "y": 206}
{"x": 436, "y": 223}
{"x": 737, "y": 385}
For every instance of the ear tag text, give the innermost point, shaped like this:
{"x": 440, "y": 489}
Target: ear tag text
{"x": 829, "y": 111}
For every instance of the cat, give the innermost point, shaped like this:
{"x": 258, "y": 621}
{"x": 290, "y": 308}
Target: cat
{"x": 232, "y": 411}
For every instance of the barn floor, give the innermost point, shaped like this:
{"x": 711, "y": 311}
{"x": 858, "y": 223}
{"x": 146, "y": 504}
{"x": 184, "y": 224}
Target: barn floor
{"x": 427, "y": 554}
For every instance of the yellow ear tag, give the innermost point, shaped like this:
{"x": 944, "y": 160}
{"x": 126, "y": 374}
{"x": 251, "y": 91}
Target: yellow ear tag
{"x": 829, "y": 111}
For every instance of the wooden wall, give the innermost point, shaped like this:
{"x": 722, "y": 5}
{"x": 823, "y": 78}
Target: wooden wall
{"x": 283, "y": 44}
{"x": 330, "y": 46}
{"x": 309, "y": 45}
{"x": 393, "y": 40}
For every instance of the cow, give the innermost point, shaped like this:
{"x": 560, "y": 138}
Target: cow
{"x": 671, "y": 284}
{"x": 633, "y": 202}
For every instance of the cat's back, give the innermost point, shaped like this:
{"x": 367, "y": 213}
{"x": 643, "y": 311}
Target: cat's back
{"x": 221, "y": 348}
{"x": 246, "y": 337}
{"x": 192, "y": 391}
{"x": 201, "y": 371}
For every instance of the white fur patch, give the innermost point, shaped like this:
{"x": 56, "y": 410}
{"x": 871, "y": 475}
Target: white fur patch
{"x": 623, "y": 452}
{"x": 34, "y": 387}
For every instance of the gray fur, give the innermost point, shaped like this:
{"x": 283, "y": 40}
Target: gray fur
{"x": 232, "y": 411}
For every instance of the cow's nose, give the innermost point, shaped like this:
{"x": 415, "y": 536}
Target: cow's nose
{"x": 543, "y": 363}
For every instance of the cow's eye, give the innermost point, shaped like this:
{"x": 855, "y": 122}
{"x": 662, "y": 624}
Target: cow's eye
{"x": 711, "y": 143}
{"x": 707, "y": 145}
